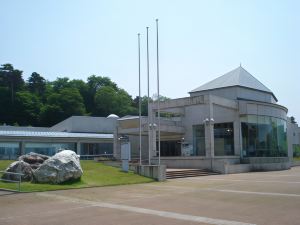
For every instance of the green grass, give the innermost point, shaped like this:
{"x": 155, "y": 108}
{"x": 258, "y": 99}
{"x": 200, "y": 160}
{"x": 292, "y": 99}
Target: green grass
{"x": 297, "y": 158}
{"x": 94, "y": 175}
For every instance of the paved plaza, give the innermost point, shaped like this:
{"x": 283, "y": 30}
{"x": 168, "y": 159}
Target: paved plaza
{"x": 236, "y": 199}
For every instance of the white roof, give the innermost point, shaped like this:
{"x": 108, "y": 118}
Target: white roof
{"x": 17, "y": 133}
{"x": 236, "y": 77}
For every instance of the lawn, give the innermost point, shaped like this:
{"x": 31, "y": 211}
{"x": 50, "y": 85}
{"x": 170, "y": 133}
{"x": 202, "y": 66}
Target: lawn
{"x": 94, "y": 175}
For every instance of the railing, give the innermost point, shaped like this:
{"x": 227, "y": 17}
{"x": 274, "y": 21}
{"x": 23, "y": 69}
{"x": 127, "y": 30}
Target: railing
{"x": 91, "y": 157}
{"x": 13, "y": 181}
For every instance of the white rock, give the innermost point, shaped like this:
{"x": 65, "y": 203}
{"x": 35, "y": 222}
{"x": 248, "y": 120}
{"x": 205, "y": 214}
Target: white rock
{"x": 61, "y": 167}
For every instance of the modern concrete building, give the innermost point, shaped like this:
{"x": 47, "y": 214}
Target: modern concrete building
{"x": 231, "y": 124}
{"x": 294, "y": 138}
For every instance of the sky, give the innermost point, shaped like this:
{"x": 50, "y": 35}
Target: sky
{"x": 198, "y": 41}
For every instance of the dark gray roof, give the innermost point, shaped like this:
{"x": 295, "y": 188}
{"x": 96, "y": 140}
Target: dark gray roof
{"x": 237, "y": 77}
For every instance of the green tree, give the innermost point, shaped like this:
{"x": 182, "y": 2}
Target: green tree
{"x": 37, "y": 84}
{"x": 50, "y": 115}
{"x": 61, "y": 83}
{"x": 27, "y": 108}
{"x": 83, "y": 89}
{"x": 108, "y": 101}
{"x": 144, "y": 105}
{"x": 6, "y": 114}
{"x": 11, "y": 78}
{"x": 67, "y": 102}
{"x": 95, "y": 83}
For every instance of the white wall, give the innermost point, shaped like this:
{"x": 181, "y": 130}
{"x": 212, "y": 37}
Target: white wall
{"x": 236, "y": 92}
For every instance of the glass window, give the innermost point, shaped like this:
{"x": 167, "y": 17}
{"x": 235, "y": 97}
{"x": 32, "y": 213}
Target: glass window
{"x": 48, "y": 148}
{"x": 199, "y": 140}
{"x": 223, "y": 138}
{"x": 96, "y": 148}
{"x": 9, "y": 150}
{"x": 263, "y": 136}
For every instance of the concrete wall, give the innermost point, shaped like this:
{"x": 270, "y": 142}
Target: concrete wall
{"x": 236, "y": 92}
{"x": 194, "y": 115}
{"x": 263, "y": 109}
{"x": 295, "y": 133}
{"x": 153, "y": 171}
{"x": 87, "y": 124}
{"x": 196, "y": 162}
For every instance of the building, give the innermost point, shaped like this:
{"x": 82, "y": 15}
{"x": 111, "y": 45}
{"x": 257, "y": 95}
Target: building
{"x": 83, "y": 134}
{"x": 231, "y": 124}
{"x": 294, "y": 138}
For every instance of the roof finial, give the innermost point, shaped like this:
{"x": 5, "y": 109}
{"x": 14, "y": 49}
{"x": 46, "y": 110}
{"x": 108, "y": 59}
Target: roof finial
{"x": 240, "y": 64}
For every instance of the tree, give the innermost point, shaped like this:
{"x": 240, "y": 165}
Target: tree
{"x": 60, "y": 83}
{"x": 37, "y": 84}
{"x": 83, "y": 89}
{"x": 95, "y": 83}
{"x": 67, "y": 102}
{"x": 144, "y": 105}
{"x": 50, "y": 115}
{"x": 108, "y": 101}
{"x": 6, "y": 109}
{"x": 9, "y": 77}
{"x": 27, "y": 108}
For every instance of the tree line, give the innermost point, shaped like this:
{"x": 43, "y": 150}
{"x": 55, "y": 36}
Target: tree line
{"x": 39, "y": 102}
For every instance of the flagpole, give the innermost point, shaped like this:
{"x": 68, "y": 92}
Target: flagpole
{"x": 158, "y": 96}
{"x": 148, "y": 97}
{"x": 140, "y": 105}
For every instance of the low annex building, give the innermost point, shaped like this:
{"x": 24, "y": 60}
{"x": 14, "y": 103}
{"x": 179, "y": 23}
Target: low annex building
{"x": 88, "y": 136}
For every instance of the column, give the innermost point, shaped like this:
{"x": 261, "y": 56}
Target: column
{"x": 78, "y": 148}
{"x": 22, "y": 147}
{"x": 115, "y": 145}
{"x": 237, "y": 137}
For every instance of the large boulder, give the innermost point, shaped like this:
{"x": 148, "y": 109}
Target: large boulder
{"x": 18, "y": 167}
{"x": 61, "y": 167}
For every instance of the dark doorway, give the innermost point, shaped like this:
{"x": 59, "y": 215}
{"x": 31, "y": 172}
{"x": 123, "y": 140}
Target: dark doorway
{"x": 169, "y": 148}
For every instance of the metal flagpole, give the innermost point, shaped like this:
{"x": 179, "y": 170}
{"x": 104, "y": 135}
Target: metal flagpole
{"x": 140, "y": 103}
{"x": 158, "y": 96}
{"x": 149, "y": 137}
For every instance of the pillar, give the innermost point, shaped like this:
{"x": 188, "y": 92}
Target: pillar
{"x": 22, "y": 147}
{"x": 78, "y": 148}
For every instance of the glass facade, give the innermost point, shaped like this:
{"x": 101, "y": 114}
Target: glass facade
{"x": 96, "y": 148}
{"x": 199, "y": 140}
{"x": 9, "y": 150}
{"x": 263, "y": 136}
{"x": 224, "y": 139}
{"x": 48, "y": 148}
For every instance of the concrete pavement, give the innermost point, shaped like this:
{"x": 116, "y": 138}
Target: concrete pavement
{"x": 236, "y": 199}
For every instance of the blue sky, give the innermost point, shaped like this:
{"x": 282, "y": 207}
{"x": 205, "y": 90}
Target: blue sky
{"x": 199, "y": 41}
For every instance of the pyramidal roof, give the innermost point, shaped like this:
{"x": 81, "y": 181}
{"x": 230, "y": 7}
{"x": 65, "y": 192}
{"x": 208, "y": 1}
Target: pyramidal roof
{"x": 237, "y": 77}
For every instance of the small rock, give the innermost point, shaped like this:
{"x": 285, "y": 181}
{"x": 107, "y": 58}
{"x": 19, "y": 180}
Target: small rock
{"x": 33, "y": 158}
{"x": 18, "y": 167}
